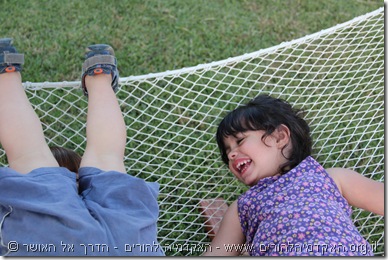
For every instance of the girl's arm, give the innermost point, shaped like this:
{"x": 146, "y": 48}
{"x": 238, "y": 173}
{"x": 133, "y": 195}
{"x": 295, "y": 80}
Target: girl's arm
{"x": 229, "y": 235}
{"x": 358, "y": 190}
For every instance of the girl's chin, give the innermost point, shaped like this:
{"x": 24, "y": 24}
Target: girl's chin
{"x": 248, "y": 182}
{"x": 251, "y": 184}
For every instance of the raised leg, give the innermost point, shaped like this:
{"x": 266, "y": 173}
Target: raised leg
{"x": 105, "y": 126}
{"x": 21, "y": 133}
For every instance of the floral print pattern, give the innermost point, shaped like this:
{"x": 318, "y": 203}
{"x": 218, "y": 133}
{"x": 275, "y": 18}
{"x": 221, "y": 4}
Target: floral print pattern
{"x": 299, "y": 213}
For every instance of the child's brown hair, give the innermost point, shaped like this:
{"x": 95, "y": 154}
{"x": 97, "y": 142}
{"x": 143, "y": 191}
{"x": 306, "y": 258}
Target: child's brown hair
{"x": 66, "y": 158}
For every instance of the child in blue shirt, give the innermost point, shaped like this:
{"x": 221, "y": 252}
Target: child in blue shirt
{"x": 52, "y": 201}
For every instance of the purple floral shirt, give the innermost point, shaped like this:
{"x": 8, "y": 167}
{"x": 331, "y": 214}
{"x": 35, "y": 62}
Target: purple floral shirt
{"x": 299, "y": 213}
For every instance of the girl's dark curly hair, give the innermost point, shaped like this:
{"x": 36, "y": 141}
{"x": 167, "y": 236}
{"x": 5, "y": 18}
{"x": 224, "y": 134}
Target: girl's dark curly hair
{"x": 267, "y": 113}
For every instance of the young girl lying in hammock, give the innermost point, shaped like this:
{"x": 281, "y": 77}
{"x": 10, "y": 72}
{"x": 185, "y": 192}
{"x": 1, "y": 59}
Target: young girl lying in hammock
{"x": 294, "y": 206}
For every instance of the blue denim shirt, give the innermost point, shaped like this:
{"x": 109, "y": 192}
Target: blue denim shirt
{"x": 43, "y": 213}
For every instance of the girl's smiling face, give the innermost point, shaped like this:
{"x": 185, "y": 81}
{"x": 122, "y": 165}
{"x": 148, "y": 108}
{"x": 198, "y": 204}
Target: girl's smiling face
{"x": 252, "y": 157}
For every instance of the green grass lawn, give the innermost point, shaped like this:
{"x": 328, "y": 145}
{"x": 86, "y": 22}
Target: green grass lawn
{"x": 158, "y": 35}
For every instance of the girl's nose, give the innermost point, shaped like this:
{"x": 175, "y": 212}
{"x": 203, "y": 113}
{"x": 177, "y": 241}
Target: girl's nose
{"x": 232, "y": 154}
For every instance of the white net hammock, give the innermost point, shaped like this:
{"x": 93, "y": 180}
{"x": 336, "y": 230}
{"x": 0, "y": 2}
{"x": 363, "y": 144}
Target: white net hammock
{"x": 336, "y": 76}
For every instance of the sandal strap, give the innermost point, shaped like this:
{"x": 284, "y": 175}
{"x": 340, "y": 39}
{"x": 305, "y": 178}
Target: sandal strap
{"x": 99, "y": 59}
{"x": 12, "y": 58}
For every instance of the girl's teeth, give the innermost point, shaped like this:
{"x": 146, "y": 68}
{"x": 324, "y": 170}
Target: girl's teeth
{"x": 242, "y": 164}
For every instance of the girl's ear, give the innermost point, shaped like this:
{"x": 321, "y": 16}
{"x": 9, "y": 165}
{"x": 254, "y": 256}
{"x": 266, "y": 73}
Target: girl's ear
{"x": 282, "y": 136}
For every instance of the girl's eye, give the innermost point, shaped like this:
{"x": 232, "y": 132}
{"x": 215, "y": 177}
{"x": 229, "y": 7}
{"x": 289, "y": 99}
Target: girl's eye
{"x": 240, "y": 140}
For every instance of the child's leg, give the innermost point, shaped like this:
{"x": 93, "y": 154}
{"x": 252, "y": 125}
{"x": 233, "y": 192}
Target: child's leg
{"x": 105, "y": 127}
{"x": 21, "y": 132}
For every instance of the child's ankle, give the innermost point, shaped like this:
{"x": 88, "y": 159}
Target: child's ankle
{"x": 11, "y": 75}
{"x": 101, "y": 79}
